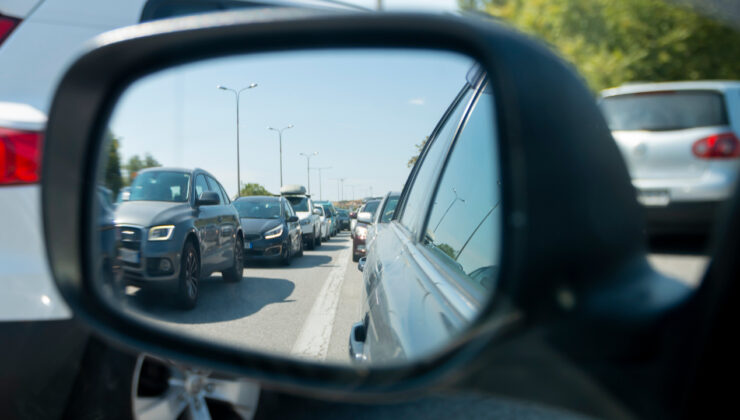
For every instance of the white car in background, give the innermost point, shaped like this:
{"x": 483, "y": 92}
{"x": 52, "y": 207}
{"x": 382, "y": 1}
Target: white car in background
{"x": 56, "y": 368}
{"x": 681, "y": 142}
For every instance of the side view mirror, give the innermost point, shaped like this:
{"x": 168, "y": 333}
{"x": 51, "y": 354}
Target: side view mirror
{"x": 365, "y": 217}
{"x": 361, "y": 264}
{"x": 317, "y": 212}
{"x": 583, "y": 311}
{"x": 207, "y": 198}
{"x": 292, "y": 219}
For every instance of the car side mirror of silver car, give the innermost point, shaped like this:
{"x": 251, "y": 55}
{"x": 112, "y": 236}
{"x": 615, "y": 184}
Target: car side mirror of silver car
{"x": 365, "y": 217}
{"x": 317, "y": 212}
{"x": 208, "y": 198}
{"x": 562, "y": 313}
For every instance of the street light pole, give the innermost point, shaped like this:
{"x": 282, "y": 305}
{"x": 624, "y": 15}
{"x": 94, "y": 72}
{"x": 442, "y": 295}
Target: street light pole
{"x": 280, "y": 138}
{"x": 308, "y": 168}
{"x": 321, "y": 196}
{"x": 238, "y": 166}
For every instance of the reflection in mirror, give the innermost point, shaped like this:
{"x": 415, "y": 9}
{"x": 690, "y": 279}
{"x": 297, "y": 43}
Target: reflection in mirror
{"x": 235, "y": 193}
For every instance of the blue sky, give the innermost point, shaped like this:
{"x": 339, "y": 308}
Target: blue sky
{"x": 362, "y": 111}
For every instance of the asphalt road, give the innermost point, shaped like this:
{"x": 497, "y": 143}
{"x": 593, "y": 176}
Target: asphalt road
{"x": 305, "y": 309}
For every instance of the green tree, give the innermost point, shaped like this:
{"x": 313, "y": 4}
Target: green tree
{"x": 419, "y": 148}
{"x": 613, "y": 42}
{"x": 136, "y": 164}
{"x": 254, "y": 189}
{"x": 113, "y": 178}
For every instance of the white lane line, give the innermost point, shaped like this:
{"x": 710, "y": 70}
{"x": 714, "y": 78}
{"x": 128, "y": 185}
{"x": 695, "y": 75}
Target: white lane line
{"x": 313, "y": 340}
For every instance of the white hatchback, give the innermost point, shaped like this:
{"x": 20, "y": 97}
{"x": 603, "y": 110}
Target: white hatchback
{"x": 680, "y": 143}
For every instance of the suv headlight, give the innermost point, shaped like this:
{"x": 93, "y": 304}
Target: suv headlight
{"x": 161, "y": 233}
{"x": 274, "y": 233}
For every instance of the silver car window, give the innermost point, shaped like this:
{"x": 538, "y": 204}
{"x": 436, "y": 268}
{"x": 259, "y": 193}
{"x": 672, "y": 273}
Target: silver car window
{"x": 463, "y": 228}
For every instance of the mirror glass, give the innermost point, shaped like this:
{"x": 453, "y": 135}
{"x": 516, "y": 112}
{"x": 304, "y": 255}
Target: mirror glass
{"x": 212, "y": 170}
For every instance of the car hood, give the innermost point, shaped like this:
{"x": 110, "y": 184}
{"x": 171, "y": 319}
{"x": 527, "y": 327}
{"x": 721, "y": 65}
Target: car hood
{"x": 150, "y": 213}
{"x": 256, "y": 226}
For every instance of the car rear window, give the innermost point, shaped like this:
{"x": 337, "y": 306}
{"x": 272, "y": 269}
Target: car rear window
{"x": 662, "y": 111}
{"x": 298, "y": 203}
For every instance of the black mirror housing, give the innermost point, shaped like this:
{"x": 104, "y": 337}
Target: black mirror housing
{"x": 208, "y": 198}
{"x": 292, "y": 219}
{"x": 564, "y": 188}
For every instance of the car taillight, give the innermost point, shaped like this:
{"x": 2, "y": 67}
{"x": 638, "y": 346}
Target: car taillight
{"x": 725, "y": 145}
{"x": 7, "y": 24}
{"x": 20, "y": 156}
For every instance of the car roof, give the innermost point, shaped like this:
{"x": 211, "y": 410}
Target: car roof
{"x": 261, "y": 197}
{"x": 718, "y": 85}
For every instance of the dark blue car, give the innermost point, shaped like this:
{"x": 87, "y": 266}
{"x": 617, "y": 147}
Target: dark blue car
{"x": 271, "y": 228}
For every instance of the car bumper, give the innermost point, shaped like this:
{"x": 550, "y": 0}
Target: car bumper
{"x": 263, "y": 248}
{"x": 716, "y": 184}
{"x": 149, "y": 270}
{"x": 691, "y": 217}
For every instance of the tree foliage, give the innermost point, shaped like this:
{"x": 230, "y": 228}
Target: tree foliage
{"x": 419, "y": 148}
{"x": 611, "y": 42}
{"x": 254, "y": 189}
{"x": 136, "y": 164}
{"x": 113, "y": 178}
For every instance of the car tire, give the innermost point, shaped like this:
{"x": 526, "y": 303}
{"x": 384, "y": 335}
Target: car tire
{"x": 187, "y": 293}
{"x": 285, "y": 255}
{"x": 300, "y": 250}
{"x": 311, "y": 242}
{"x": 103, "y": 386}
{"x": 319, "y": 239}
{"x": 234, "y": 274}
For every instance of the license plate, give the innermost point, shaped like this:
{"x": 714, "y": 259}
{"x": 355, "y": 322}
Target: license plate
{"x": 654, "y": 198}
{"x": 248, "y": 245}
{"x": 129, "y": 256}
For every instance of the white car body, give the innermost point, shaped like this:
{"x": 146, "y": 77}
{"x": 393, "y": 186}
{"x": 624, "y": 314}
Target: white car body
{"x": 57, "y": 32}
{"x": 674, "y": 183}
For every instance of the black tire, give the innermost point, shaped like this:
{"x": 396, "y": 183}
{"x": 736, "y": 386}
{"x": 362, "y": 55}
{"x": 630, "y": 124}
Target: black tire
{"x": 234, "y": 274}
{"x": 286, "y": 253}
{"x": 103, "y": 386}
{"x": 300, "y": 250}
{"x": 311, "y": 242}
{"x": 187, "y": 293}
{"x": 319, "y": 239}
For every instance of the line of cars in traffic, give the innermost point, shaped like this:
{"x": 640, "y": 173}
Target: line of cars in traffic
{"x": 178, "y": 226}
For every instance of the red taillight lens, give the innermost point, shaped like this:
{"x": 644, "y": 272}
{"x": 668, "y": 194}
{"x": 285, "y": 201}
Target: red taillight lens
{"x": 725, "y": 145}
{"x": 20, "y": 156}
{"x": 7, "y": 24}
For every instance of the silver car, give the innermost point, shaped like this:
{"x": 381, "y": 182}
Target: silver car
{"x": 680, "y": 142}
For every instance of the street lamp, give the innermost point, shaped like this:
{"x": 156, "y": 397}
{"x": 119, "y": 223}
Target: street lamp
{"x": 308, "y": 168}
{"x": 280, "y": 137}
{"x": 236, "y": 95}
{"x": 340, "y": 188}
{"x": 321, "y": 196}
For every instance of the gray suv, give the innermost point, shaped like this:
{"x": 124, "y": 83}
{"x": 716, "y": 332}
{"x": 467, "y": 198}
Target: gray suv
{"x": 177, "y": 227}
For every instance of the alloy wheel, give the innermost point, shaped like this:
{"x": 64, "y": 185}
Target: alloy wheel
{"x": 165, "y": 390}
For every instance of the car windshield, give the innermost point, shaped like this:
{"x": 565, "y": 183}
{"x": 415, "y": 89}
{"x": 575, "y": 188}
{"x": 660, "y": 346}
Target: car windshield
{"x": 298, "y": 203}
{"x": 371, "y": 207}
{"x": 258, "y": 208}
{"x": 161, "y": 186}
{"x": 660, "y": 111}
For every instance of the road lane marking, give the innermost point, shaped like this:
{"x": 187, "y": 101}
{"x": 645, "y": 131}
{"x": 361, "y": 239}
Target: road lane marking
{"x": 313, "y": 340}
